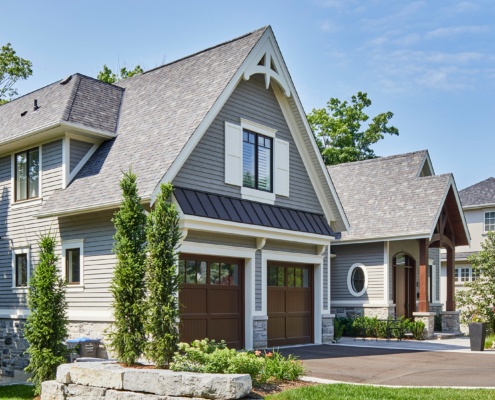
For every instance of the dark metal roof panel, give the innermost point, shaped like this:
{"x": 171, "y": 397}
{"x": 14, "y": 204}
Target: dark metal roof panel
{"x": 225, "y": 208}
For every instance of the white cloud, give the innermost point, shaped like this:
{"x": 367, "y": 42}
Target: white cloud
{"x": 462, "y": 7}
{"x": 329, "y": 26}
{"x": 456, "y": 30}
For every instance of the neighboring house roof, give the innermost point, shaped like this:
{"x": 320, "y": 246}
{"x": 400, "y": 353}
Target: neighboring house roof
{"x": 387, "y": 198}
{"x": 479, "y": 194}
{"x": 461, "y": 256}
{"x": 226, "y": 208}
{"x": 80, "y": 100}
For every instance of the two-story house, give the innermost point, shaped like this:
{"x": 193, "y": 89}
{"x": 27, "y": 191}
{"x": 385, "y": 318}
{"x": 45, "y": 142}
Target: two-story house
{"x": 478, "y": 203}
{"x": 258, "y": 209}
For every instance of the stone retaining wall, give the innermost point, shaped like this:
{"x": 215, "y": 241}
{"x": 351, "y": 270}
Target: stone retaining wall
{"x": 110, "y": 381}
{"x": 13, "y": 356}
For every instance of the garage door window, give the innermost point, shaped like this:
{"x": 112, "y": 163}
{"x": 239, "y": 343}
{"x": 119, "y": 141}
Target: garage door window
{"x": 216, "y": 273}
{"x": 291, "y": 277}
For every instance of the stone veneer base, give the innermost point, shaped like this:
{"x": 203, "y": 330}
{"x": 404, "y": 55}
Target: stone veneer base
{"x": 110, "y": 381}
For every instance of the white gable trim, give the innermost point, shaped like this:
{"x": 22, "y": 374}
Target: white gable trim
{"x": 451, "y": 184}
{"x": 267, "y": 49}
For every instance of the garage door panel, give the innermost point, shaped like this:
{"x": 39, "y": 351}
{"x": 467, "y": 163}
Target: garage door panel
{"x": 191, "y": 328}
{"x": 298, "y": 326}
{"x": 193, "y": 300}
{"x": 211, "y": 303}
{"x": 276, "y": 327}
{"x": 224, "y": 329}
{"x": 298, "y": 301}
{"x": 224, "y": 301}
{"x": 289, "y": 304}
{"x": 276, "y": 300}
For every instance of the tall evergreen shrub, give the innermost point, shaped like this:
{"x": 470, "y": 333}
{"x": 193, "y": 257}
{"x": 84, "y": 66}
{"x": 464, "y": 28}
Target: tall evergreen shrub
{"x": 163, "y": 235}
{"x": 46, "y": 326}
{"x": 128, "y": 337}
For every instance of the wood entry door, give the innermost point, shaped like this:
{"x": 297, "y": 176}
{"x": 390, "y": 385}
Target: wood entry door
{"x": 211, "y": 299}
{"x": 290, "y": 304}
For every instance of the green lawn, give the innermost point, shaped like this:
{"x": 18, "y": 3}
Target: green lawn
{"x": 358, "y": 392}
{"x": 16, "y": 392}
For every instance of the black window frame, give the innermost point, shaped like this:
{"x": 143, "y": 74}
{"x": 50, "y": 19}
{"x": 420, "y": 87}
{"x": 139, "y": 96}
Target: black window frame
{"x": 16, "y": 272}
{"x": 358, "y": 280}
{"x": 256, "y": 160}
{"x": 67, "y": 260}
{"x": 27, "y": 152}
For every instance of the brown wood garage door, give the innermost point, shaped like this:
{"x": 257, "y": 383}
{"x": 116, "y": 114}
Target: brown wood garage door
{"x": 211, "y": 299}
{"x": 290, "y": 304}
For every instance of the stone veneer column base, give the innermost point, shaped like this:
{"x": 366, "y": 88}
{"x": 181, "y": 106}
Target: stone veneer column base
{"x": 378, "y": 312}
{"x": 327, "y": 328}
{"x": 451, "y": 322}
{"x": 428, "y": 319}
{"x": 13, "y": 346}
{"x": 260, "y": 332}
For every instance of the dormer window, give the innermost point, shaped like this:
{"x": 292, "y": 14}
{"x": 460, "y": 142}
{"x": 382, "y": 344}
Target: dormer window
{"x": 27, "y": 174}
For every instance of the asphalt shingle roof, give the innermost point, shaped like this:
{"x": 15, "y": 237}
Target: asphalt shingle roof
{"x": 160, "y": 111}
{"x": 481, "y": 193}
{"x": 82, "y": 100}
{"x": 384, "y": 197}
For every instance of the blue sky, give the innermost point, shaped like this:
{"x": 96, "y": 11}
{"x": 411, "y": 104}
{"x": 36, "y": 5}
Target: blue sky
{"x": 432, "y": 63}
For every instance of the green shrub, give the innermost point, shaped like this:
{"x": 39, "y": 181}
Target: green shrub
{"x": 209, "y": 356}
{"x": 128, "y": 336}
{"x": 417, "y": 328}
{"x": 338, "y": 329}
{"x": 162, "y": 306}
{"x": 46, "y": 326}
{"x": 401, "y": 328}
{"x": 489, "y": 341}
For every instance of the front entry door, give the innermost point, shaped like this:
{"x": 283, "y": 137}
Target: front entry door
{"x": 404, "y": 285}
{"x": 401, "y": 305}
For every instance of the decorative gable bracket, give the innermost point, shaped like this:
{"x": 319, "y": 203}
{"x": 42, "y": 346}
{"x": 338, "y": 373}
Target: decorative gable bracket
{"x": 268, "y": 63}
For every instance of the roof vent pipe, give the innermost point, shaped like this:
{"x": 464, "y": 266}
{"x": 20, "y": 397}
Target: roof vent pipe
{"x": 35, "y": 105}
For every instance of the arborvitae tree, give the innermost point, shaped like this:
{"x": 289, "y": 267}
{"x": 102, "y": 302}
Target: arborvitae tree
{"x": 128, "y": 337}
{"x": 46, "y": 326}
{"x": 163, "y": 235}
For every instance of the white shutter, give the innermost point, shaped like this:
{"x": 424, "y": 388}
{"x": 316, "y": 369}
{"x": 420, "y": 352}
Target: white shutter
{"x": 233, "y": 154}
{"x": 281, "y": 164}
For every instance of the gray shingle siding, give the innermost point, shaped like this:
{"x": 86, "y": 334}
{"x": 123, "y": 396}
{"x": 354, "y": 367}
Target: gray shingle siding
{"x": 251, "y": 101}
{"x": 78, "y": 149}
{"x": 19, "y": 222}
{"x": 369, "y": 254}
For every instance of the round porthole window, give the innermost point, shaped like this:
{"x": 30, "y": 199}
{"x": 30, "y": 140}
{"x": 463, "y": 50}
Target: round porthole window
{"x": 357, "y": 280}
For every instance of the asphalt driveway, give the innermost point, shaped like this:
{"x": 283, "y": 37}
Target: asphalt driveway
{"x": 389, "y": 364}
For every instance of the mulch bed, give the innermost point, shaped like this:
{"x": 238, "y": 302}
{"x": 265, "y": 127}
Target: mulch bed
{"x": 261, "y": 390}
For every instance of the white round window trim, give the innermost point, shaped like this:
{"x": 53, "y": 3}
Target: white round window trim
{"x": 349, "y": 280}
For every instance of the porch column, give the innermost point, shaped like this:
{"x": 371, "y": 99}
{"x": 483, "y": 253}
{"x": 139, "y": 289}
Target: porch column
{"x": 450, "y": 301}
{"x": 423, "y": 304}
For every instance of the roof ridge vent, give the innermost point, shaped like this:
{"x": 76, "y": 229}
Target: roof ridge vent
{"x": 66, "y": 80}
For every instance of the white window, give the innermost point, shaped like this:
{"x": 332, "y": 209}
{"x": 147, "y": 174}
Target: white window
{"x": 490, "y": 221}
{"x": 26, "y": 174}
{"x": 357, "y": 280}
{"x": 21, "y": 266}
{"x": 256, "y": 161}
{"x": 72, "y": 263}
{"x": 464, "y": 274}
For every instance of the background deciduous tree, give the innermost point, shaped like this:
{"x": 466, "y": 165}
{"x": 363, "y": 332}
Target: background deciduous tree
{"x": 46, "y": 326}
{"x": 128, "y": 336}
{"x": 479, "y": 297}
{"x": 162, "y": 281}
{"x": 108, "y": 76}
{"x": 12, "y": 68}
{"x": 338, "y": 129}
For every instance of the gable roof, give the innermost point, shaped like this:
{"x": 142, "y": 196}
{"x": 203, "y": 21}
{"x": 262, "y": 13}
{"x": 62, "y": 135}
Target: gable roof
{"x": 164, "y": 114}
{"x": 77, "y": 100}
{"x": 160, "y": 111}
{"x": 386, "y": 198}
{"x": 479, "y": 194}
